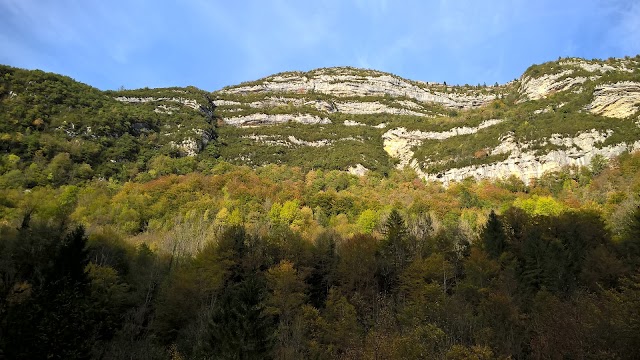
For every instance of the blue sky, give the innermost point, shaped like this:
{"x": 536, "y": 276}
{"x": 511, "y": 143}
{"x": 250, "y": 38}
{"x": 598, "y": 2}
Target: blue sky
{"x": 211, "y": 44}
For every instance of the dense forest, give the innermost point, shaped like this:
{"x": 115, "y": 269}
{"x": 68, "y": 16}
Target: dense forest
{"x": 115, "y": 245}
{"x": 223, "y": 266}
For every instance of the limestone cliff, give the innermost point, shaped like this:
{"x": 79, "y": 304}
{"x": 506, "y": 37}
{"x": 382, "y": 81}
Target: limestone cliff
{"x": 557, "y": 114}
{"x": 350, "y": 82}
{"x": 618, "y": 100}
{"x": 528, "y": 165}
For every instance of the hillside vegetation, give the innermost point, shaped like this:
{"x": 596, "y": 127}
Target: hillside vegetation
{"x": 177, "y": 223}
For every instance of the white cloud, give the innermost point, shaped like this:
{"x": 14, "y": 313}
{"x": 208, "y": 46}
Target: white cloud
{"x": 228, "y": 41}
{"x": 41, "y": 20}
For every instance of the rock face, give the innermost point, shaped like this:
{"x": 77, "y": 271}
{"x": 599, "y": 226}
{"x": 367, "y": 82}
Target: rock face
{"x": 594, "y": 66}
{"x": 528, "y": 166}
{"x": 348, "y": 82}
{"x": 188, "y": 140}
{"x": 264, "y": 119}
{"x": 373, "y": 105}
{"x": 358, "y": 170}
{"x": 521, "y": 162}
{"x": 355, "y": 123}
{"x": 398, "y": 143}
{"x": 188, "y": 147}
{"x": 617, "y": 100}
{"x": 186, "y": 102}
{"x": 538, "y": 88}
{"x": 292, "y": 141}
{"x": 535, "y": 87}
{"x": 281, "y": 101}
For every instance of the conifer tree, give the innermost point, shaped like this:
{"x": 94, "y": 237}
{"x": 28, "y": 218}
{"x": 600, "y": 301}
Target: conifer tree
{"x": 239, "y": 327}
{"x": 631, "y": 243}
{"x": 493, "y": 236}
{"x": 394, "y": 251}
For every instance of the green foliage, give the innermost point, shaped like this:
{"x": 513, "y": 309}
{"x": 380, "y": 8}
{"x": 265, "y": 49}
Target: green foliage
{"x": 540, "y": 205}
{"x": 493, "y": 236}
{"x": 238, "y": 328}
{"x": 45, "y": 308}
{"x": 66, "y": 132}
{"x": 368, "y": 221}
{"x": 598, "y": 164}
{"x": 395, "y": 250}
{"x": 254, "y": 294}
{"x": 631, "y": 239}
{"x": 285, "y": 301}
{"x": 195, "y": 257}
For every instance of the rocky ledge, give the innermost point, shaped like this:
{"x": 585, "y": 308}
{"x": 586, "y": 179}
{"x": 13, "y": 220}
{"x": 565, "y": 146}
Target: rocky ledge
{"x": 618, "y": 100}
{"x": 564, "y": 77}
{"x": 527, "y": 165}
{"x": 265, "y": 119}
{"x": 398, "y": 143}
{"x": 349, "y": 82}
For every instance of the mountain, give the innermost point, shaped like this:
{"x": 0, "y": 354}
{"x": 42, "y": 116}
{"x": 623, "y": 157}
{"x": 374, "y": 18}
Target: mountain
{"x": 144, "y": 224}
{"x": 561, "y": 113}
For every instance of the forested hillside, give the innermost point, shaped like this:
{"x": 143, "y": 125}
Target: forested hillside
{"x": 140, "y": 224}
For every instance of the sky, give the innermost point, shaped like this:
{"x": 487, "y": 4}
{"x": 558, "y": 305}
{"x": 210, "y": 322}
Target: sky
{"x": 215, "y": 43}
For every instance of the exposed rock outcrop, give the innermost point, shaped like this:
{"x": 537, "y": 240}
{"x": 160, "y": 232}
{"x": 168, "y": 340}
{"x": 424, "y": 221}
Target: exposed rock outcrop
{"x": 521, "y": 162}
{"x": 164, "y": 109}
{"x": 594, "y": 66}
{"x": 355, "y": 123}
{"x": 186, "y": 102}
{"x": 193, "y": 144}
{"x": 526, "y": 164}
{"x": 280, "y": 101}
{"x": 374, "y": 107}
{"x": 535, "y": 88}
{"x": 318, "y": 143}
{"x": 226, "y": 103}
{"x": 264, "y": 119}
{"x": 325, "y": 95}
{"x": 347, "y": 82}
{"x": 617, "y": 100}
{"x": 292, "y": 141}
{"x": 358, "y": 170}
{"x": 398, "y": 143}
{"x": 188, "y": 147}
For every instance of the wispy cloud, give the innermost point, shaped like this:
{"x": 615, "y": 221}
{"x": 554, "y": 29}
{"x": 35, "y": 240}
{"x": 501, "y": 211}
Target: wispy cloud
{"x": 213, "y": 43}
{"x": 626, "y": 34}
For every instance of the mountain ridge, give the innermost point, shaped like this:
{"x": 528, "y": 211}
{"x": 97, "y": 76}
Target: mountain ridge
{"x": 538, "y": 84}
{"x": 557, "y": 114}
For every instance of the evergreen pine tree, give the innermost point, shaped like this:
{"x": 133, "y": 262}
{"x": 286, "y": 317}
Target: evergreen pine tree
{"x": 394, "y": 252}
{"x": 239, "y": 327}
{"x": 493, "y": 236}
{"x": 631, "y": 243}
{"x": 57, "y": 321}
